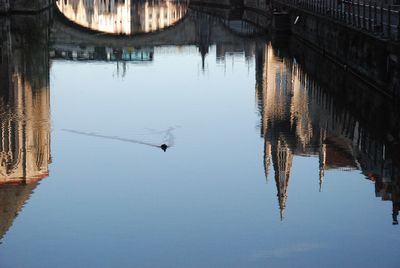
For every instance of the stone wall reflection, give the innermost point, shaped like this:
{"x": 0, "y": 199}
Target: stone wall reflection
{"x": 24, "y": 111}
{"x": 301, "y": 117}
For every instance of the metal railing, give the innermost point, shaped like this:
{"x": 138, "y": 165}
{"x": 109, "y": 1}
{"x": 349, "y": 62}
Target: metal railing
{"x": 370, "y": 16}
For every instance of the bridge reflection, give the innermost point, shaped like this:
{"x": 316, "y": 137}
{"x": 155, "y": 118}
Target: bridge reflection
{"x": 337, "y": 123}
{"x": 124, "y": 17}
{"x": 196, "y": 28}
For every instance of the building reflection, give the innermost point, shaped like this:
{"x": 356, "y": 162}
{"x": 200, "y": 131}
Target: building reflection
{"x": 124, "y": 16}
{"x": 12, "y": 200}
{"x": 24, "y": 111}
{"x": 300, "y": 117}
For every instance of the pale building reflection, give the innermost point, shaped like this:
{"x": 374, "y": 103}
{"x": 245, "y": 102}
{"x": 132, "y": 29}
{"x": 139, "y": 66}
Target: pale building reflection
{"x": 24, "y": 112}
{"x": 299, "y": 117}
{"x": 124, "y": 16}
{"x": 24, "y": 118}
{"x": 24, "y": 133}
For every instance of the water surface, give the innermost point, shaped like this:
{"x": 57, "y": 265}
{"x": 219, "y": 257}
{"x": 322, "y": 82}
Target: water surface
{"x": 267, "y": 164}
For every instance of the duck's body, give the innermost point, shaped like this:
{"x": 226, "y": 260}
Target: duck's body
{"x": 164, "y": 147}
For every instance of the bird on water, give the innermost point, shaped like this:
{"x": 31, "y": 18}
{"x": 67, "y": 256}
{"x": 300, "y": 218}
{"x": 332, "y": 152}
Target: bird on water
{"x": 164, "y": 147}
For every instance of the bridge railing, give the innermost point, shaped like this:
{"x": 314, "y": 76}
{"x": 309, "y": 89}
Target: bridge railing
{"x": 376, "y": 18}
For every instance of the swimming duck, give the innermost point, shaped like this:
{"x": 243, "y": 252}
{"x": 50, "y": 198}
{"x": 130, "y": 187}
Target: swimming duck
{"x": 164, "y": 147}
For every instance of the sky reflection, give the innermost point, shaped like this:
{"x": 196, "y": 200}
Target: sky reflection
{"x": 270, "y": 164}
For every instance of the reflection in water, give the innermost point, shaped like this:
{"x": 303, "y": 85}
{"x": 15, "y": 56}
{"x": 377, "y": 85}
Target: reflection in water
{"x": 105, "y": 54}
{"x": 12, "y": 199}
{"x": 24, "y": 113}
{"x": 124, "y": 16}
{"x": 24, "y": 108}
{"x": 299, "y": 117}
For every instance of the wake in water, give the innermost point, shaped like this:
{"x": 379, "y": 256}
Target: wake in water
{"x": 168, "y": 139}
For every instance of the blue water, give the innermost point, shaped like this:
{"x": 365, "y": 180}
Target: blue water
{"x": 206, "y": 201}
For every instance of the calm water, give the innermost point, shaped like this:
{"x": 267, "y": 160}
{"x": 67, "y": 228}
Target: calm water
{"x": 269, "y": 161}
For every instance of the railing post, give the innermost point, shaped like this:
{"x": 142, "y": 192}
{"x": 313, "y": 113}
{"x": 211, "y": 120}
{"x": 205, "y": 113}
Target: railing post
{"x": 364, "y": 22}
{"x": 326, "y": 6}
{"x": 382, "y": 17}
{"x": 369, "y": 16}
{"x": 389, "y": 26}
{"x": 333, "y": 8}
{"x": 344, "y": 11}
{"x": 398, "y": 25}
{"x": 336, "y": 9}
{"x": 358, "y": 14}
{"x": 375, "y": 15}
{"x": 353, "y": 12}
